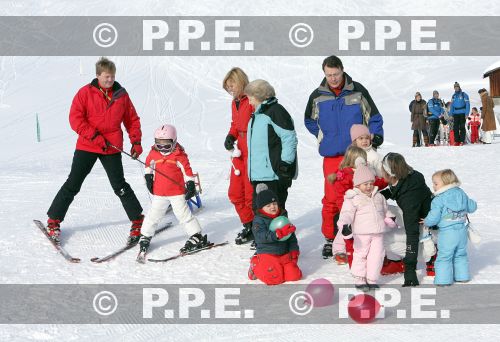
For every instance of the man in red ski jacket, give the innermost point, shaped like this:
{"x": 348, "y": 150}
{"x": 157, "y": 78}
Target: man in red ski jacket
{"x": 96, "y": 115}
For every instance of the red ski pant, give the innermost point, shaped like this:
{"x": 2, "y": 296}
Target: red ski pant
{"x": 240, "y": 190}
{"x": 274, "y": 269}
{"x": 474, "y": 133}
{"x": 330, "y": 165}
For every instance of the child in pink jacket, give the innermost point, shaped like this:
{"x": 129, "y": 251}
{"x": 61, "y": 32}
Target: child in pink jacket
{"x": 364, "y": 216}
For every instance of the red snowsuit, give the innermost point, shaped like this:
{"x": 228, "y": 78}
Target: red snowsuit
{"x": 91, "y": 112}
{"x": 474, "y": 123}
{"x": 171, "y": 165}
{"x": 240, "y": 189}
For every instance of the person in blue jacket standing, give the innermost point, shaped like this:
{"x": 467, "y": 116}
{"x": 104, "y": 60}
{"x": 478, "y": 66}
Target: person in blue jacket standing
{"x": 449, "y": 210}
{"x": 272, "y": 142}
{"x": 332, "y": 109}
{"x": 459, "y": 109}
{"x": 435, "y": 109}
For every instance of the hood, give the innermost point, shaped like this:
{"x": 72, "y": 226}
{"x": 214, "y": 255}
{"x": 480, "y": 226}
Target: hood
{"x": 453, "y": 197}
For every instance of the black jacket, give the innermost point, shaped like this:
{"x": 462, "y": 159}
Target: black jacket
{"x": 414, "y": 197}
{"x": 266, "y": 240}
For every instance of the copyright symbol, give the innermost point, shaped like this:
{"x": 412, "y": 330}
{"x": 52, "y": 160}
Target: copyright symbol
{"x": 301, "y": 35}
{"x": 105, "y": 303}
{"x": 301, "y": 303}
{"x": 105, "y": 35}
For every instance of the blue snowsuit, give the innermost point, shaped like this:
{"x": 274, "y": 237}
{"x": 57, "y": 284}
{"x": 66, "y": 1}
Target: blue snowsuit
{"x": 449, "y": 212}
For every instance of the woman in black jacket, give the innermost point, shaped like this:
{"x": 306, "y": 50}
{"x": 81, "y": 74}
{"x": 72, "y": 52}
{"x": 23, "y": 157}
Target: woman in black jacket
{"x": 407, "y": 187}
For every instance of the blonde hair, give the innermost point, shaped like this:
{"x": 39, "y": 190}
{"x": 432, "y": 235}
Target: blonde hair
{"x": 260, "y": 89}
{"x": 104, "y": 64}
{"x": 350, "y": 156}
{"x": 447, "y": 176}
{"x": 394, "y": 166}
{"x": 238, "y": 76}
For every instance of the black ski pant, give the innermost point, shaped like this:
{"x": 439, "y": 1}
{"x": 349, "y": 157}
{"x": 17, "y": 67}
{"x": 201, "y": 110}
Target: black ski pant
{"x": 434, "y": 130}
{"x": 82, "y": 164}
{"x": 459, "y": 127}
{"x": 279, "y": 187}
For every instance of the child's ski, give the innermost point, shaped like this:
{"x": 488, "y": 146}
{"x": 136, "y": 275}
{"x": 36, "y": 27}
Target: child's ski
{"x": 126, "y": 247}
{"x": 210, "y": 246}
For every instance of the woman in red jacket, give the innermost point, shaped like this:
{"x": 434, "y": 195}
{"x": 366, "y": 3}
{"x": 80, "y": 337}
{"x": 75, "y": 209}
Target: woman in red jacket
{"x": 240, "y": 189}
{"x": 97, "y": 113}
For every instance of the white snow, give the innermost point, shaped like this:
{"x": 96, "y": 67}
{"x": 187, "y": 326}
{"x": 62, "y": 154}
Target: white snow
{"x": 186, "y": 91}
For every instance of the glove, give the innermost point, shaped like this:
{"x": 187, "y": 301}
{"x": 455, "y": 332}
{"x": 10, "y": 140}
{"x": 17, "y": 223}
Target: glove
{"x": 411, "y": 278}
{"x": 136, "y": 149}
{"x": 377, "y": 140}
{"x": 285, "y": 230}
{"x": 285, "y": 170}
{"x": 347, "y": 230}
{"x": 149, "y": 182}
{"x": 229, "y": 142}
{"x": 390, "y": 222}
{"x": 99, "y": 141}
{"x": 190, "y": 189}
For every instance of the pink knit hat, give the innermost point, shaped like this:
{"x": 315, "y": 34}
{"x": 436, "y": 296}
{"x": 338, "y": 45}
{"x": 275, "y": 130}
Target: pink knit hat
{"x": 358, "y": 130}
{"x": 363, "y": 174}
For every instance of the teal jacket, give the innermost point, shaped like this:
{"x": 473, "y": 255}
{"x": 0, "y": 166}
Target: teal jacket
{"x": 272, "y": 140}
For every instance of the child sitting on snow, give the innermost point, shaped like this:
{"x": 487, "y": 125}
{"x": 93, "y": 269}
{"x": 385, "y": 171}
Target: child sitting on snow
{"x": 449, "y": 210}
{"x": 364, "y": 217}
{"x": 275, "y": 261}
{"x": 167, "y": 167}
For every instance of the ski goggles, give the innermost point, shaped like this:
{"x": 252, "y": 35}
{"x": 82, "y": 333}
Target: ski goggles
{"x": 165, "y": 147}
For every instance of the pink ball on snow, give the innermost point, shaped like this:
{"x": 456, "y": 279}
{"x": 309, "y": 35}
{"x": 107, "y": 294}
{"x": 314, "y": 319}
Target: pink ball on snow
{"x": 321, "y": 291}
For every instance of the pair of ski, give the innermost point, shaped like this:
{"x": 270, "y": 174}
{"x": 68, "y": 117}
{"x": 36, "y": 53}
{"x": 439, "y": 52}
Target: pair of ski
{"x": 113, "y": 255}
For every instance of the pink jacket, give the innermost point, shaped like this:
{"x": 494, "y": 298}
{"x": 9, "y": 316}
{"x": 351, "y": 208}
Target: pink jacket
{"x": 366, "y": 215}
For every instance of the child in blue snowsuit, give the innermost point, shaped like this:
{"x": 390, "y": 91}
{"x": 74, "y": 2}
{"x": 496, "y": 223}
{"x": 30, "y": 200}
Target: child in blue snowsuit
{"x": 449, "y": 210}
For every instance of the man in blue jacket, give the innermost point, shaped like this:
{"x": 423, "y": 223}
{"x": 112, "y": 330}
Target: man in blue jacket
{"x": 435, "y": 109}
{"x": 336, "y": 105}
{"x": 459, "y": 109}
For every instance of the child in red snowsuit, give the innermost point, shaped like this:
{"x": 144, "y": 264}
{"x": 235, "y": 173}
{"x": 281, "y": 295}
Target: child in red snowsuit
{"x": 474, "y": 121}
{"x": 275, "y": 261}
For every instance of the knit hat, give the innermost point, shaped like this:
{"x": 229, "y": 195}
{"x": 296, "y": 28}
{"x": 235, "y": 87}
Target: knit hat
{"x": 456, "y": 85}
{"x": 358, "y": 130}
{"x": 435, "y": 92}
{"x": 362, "y": 175}
{"x": 264, "y": 196}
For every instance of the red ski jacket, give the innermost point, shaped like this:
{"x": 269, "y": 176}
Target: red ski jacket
{"x": 91, "y": 113}
{"x": 175, "y": 166}
{"x": 239, "y": 123}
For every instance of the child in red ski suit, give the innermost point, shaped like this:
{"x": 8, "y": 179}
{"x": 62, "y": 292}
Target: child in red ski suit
{"x": 474, "y": 121}
{"x": 275, "y": 261}
{"x": 364, "y": 217}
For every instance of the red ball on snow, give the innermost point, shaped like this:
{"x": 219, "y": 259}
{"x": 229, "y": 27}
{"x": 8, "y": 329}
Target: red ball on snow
{"x": 363, "y": 308}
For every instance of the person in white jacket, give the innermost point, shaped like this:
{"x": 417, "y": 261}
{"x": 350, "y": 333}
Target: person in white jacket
{"x": 361, "y": 137}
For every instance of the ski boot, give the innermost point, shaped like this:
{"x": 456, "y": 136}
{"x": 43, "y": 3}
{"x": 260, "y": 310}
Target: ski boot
{"x": 143, "y": 248}
{"x": 135, "y": 231}
{"x": 327, "y": 249}
{"x": 195, "y": 242}
{"x": 54, "y": 230}
{"x": 246, "y": 235}
{"x": 253, "y": 246}
{"x": 341, "y": 258}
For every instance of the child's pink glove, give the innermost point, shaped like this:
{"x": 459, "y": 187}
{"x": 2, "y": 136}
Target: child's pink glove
{"x": 390, "y": 222}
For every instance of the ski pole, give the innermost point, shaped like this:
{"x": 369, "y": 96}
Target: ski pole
{"x": 143, "y": 163}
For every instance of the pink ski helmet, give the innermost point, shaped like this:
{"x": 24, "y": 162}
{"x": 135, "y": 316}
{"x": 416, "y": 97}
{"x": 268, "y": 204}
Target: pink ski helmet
{"x": 166, "y": 132}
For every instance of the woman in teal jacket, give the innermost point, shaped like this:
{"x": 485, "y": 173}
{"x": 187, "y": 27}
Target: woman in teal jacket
{"x": 449, "y": 211}
{"x": 272, "y": 142}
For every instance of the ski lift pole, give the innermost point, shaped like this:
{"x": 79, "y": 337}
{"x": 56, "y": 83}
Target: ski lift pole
{"x": 143, "y": 163}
